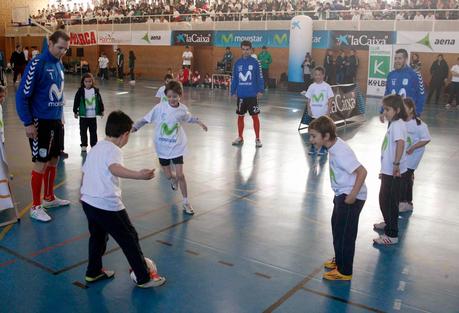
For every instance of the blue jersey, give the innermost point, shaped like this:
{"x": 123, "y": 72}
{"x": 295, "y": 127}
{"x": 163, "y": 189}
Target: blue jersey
{"x": 247, "y": 78}
{"x": 407, "y": 83}
{"x": 41, "y": 91}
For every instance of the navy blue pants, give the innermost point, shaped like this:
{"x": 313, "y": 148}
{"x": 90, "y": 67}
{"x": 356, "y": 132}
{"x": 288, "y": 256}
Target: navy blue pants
{"x": 345, "y": 224}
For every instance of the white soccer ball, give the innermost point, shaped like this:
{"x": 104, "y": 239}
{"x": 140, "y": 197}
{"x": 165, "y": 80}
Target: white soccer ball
{"x": 151, "y": 268}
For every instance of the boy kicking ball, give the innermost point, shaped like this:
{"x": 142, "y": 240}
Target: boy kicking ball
{"x": 347, "y": 177}
{"x": 106, "y": 213}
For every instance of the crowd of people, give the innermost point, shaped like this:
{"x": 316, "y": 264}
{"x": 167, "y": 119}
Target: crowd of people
{"x": 110, "y": 11}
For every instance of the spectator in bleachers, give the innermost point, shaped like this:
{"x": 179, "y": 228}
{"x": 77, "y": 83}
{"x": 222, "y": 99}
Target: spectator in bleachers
{"x": 418, "y": 16}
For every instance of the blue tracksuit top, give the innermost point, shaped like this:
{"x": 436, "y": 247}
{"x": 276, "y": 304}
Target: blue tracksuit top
{"x": 41, "y": 91}
{"x": 247, "y": 78}
{"x": 407, "y": 83}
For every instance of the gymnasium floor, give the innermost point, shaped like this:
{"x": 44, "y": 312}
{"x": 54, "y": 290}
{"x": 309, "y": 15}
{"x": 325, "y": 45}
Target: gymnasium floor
{"x": 262, "y": 228}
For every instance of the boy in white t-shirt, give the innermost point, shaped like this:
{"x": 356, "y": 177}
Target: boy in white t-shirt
{"x": 319, "y": 98}
{"x": 170, "y": 138}
{"x": 161, "y": 94}
{"x": 454, "y": 87}
{"x": 187, "y": 56}
{"x": 347, "y": 177}
{"x": 106, "y": 213}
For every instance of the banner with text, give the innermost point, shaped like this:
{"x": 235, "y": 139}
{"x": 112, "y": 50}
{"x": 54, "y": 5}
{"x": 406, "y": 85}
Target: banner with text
{"x": 114, "y": 37}
{"x": 379, "y": 66}
{"x": 192, "y": 38}
{"x": 151, "y": 38}
{"x": 88, "y": 38}
{"x": 446, "y": 42}
{"x": 268, "y": 38}
{"x": 360, "y": 40}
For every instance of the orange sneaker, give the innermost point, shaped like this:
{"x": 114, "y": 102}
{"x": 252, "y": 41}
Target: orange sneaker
{"x": 335, "y": 275}
{"x": 330, "y": 264}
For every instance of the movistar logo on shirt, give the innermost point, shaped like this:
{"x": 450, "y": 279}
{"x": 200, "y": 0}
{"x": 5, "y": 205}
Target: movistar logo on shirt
{"x": 318, "y": 98}
{"x": 168, "y": 131}
{"x": 56, "y": 95}
{"x": 385, "y": 143}
{"x": 245, "y": 77}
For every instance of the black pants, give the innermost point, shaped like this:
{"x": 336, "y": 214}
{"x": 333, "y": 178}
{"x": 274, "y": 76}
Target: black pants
{"x": 120, "y": 72}
{"x": 454, "y": 93}
{"x": 2, "y": 77}
{"x": 104, "y": 73}
{"x": 408, "y": 183}
{"x": 101, "y": 223}
{"x": 85, "y": 123}
{"x": 307, "y": 80}
{"x": 265, "y": 72}
{"x": 389, "y": 198}
{"x": 131, "y": 72}
{"x": 17, "y": 70}
{"x": 437, "y": 89}
{"x": 345, "y": 223}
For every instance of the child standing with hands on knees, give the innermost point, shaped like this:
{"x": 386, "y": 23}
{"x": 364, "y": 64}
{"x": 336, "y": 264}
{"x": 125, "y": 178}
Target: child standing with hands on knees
{"x": 319, "y": 98}
{"x": 170, "y": 138}
{"x": 418, "y": 138}
{"x": 347, "y": 177}
{"x": 393, "y": 166}
{"x": 104, "y": 209}
{"x": 87, "y": 106}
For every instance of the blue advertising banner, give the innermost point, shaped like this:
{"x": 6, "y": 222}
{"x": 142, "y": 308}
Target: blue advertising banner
{"x": 269, "y": 38}
{"x": 321, "y": 39}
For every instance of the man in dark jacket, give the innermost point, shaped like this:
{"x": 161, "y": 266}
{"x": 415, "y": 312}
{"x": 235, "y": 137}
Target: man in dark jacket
{"x": 439, "y": 73}
{"x": 351, "y": 67}
{"x": 329, "y": 65}
{"x": 18, "y": 62}
{"x": 341, "y": 62}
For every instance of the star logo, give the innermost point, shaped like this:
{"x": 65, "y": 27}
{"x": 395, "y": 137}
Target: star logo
{"x": 296, "y": 25}
{"x": 146, "y": 38}
{"x": 425, "y": 41}
{"x": 342, "y": 40}
{"x": 181, "y": 38}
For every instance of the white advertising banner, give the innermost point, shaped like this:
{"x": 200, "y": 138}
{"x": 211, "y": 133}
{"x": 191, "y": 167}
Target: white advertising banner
{"x": 379, "y": 66}
{"x": 445, "y": 42}
{"x": 114, "y": 37}
{"x": 151, "y": 38}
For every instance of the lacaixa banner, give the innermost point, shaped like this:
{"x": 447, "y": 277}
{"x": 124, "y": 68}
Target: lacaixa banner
{"x": 192, "y": 38}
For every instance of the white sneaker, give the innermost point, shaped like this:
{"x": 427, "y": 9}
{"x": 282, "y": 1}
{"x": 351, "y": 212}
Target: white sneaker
{"x": 188, "y": 209}
{"x": 238, "y": 142}
{"x": 407, "y": 207}
{"x": 55, "y": 203}
{"x": 155, "y": 281}
{"x": 39, "y": 213}
{"x": 385, "y": 240}
{"x": 258, "y": 143}
{"x": 84, "y": 149}
{"x": 448, "y": 106}
{"x": 379, "y": 226}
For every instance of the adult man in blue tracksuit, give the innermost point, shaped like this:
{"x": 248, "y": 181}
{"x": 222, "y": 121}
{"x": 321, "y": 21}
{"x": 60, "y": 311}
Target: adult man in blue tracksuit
{"x": 39, "y": 102}
{"x": 247, "y": 85}
{"x": 405, "y": 82}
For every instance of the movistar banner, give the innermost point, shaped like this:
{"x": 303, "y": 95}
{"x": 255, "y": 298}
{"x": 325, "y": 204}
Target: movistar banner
{"x": 269, "y": 38}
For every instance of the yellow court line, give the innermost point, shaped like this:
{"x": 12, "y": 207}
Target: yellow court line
{"x": 24, "y": 211}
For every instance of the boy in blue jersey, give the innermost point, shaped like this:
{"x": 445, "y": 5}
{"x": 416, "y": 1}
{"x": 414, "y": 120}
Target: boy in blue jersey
{"x": 405, "y": 81}
{"x": 247, "y": 85}
{"x": 39, "y": 102}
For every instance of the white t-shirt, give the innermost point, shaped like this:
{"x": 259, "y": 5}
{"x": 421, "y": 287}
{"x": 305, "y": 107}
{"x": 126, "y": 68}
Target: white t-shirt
{"x": 90, "y": 102}
{"x": 186, "y": 56}
{"x": 416, "y": 133}
{"x": 100, "y": 188}
{"x": 318, "y": 94}
{"x": 103, "y": 62}
{"x": 455, "y": 68}
{"x": 26, "y": 54}
{"x": 343, "y": 163}
{"x": 170, "y": 139}
{"x": 396, "y": 131}
{"x": 161, "y": 94}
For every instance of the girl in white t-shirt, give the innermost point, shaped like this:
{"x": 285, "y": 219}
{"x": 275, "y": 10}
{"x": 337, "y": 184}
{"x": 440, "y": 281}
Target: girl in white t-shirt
{"x": 319, "y": 98}
{"x": 418, "y": 138}
{"x": 161, "y": 94}
{"x": 170, "y": 138}
{"x": 393, "y": 167}
{"x": 347, "y": 178}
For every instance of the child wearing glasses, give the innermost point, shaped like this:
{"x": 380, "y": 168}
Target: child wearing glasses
{"x": 170, "y": 138}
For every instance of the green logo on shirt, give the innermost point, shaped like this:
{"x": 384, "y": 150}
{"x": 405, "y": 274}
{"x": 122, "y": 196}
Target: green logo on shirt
{"x": 165, "y": 130}
{"x": 385, "y": 143}
{"x": 409, "y": 141}
{"x": 332, "y": 176}
{"x": 90, "y": 102}
{"x": 318, "y": 98}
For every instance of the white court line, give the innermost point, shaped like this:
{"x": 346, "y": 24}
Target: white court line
{"x": 122, "y": 93}
{"x": 285, "y": 108}
{"x": 405, "y": 270}
{"x": 151, "y": 87}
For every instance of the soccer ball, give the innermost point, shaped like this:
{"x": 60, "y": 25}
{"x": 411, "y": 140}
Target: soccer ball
{"x": 151, "y": 268}
{"x": 132, "y": 82}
